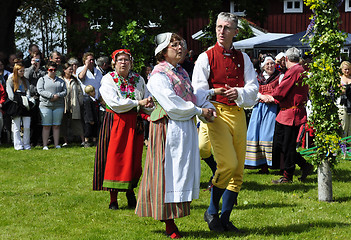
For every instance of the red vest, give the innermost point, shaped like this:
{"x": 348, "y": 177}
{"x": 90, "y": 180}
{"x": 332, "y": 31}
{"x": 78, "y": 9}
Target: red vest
{"x": 225, "y": 69}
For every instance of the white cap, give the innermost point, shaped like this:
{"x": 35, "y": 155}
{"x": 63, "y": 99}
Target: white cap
{"x": 162, "y": 40}
{"x": 280, "y": 56}
{"x": 266, "y": 60}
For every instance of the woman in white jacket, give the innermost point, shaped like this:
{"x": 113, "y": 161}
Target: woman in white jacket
{"x": 17, "y": 88}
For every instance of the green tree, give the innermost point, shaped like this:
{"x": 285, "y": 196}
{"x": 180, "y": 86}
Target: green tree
{"x": 256, "y": 10}
{"x": 209, "y": 37}
{"x": 42, "y": 22}
{"x": 130, "y": 23}
{"x": 324, "y": 80}
{"x": 7, "y": 26}
{"x": 244, "y": 31}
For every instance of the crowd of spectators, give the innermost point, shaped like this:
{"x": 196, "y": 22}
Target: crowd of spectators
{"x": 59, "y": 90}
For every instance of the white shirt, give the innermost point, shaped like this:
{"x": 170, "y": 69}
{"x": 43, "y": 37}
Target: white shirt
{"x": 246, "y": 95}
{"x": 92, "y": 79}
{"x": 111, "y": 94}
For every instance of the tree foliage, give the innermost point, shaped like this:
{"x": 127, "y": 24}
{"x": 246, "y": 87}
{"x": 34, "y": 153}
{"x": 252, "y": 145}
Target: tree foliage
{"x": 256, "y": 10}
{"x": 244, "y": 31}
{"x": 131, "y": 24}
{"x": 324, "y": 79}
{"x": 42, "y": 22}
{"x": 209, "y": 38}
{"x": 7, "y": 19}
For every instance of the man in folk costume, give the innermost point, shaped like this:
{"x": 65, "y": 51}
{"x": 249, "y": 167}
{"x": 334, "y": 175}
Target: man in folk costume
{"x": 292, "y": 96}
{"x": 223, "y": 66}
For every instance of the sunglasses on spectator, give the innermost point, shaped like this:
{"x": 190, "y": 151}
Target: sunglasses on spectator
{"x": 52, "y": 69}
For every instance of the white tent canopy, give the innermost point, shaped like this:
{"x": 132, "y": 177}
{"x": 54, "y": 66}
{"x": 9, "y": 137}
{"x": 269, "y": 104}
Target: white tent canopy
{"x": 250, "y": 42}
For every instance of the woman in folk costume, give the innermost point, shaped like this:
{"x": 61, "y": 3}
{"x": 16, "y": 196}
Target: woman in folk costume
{"x": 262, "y": 122}
{"x": 171, "y": 178}
{"x": 120, "y": 146}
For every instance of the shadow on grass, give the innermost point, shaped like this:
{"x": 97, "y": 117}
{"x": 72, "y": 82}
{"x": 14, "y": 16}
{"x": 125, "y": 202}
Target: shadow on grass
{"x": 247, "y": 206}
{"x": 342, "y": 199}
{"x": 255, "y": 172}
{"x": 342, "y": 175}
{"x": 204, "y": 185}
{"x": 267, "y": 231}
{"x": 296, "y": 186}
{"x": 296, "y": 228}
{"x": 264, "y": 205}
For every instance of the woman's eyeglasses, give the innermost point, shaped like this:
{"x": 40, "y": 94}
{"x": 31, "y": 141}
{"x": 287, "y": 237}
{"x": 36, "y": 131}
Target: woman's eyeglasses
{"x": 176, "y": 44}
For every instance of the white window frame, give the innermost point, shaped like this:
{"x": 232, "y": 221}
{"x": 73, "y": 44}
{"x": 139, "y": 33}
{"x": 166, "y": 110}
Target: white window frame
{"x": 293, "y": 10}
{"x": 347, "y": 5}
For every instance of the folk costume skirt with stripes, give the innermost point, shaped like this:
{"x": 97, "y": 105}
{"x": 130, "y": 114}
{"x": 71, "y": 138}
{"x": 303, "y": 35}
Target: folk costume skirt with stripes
{"x": 260, "y": 135}
{"x": 151, "y": 197}
{"x": 119, "y": 153}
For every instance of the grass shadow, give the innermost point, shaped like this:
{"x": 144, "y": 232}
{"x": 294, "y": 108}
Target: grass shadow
{"x": 241, "y": 206}
{"x": 296, "y": 186}
{"x": 264, "y": 205}
{"x": 255, "y": 172}
{"x": 342, "y": 175}
{"x": 203, "y": 234}
{"x": 296, "y": 228}
{"x": 203, "y": 185}
{"x": 267, "y": 231}
{"x": 342, "y": 199}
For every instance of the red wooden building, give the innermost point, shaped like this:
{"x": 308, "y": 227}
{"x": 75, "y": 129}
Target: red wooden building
{"x": 292, "y": 16}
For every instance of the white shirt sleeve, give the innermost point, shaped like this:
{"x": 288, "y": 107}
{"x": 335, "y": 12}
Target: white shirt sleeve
{"x": 248, "y": 94}
{"x": 175, "y": 107}
{"x": 113, "y": 99}
{"x": 201, "y": 73}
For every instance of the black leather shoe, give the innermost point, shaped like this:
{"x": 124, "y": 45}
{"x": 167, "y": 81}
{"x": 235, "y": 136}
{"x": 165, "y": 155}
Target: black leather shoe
{"x": 131, "y": 200}
{"x": 229, "y": 227}
{"x": 214, "y": 224}
{"x": 113, "y": 206}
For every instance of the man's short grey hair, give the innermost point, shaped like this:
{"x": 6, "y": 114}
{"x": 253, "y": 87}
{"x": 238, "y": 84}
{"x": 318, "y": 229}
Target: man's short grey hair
{"x": 293, "y": 54}
{"x": 72, "y": 61}
{"x": 57, "y": 53}
{"x": 101, "y": 60}
{"x": 228, "y": 17}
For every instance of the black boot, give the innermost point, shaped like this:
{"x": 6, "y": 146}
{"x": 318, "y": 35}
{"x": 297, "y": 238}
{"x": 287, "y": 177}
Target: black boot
{"x": 131, "y": 199}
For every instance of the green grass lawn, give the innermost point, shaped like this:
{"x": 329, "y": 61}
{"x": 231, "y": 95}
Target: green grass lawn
{"x": 48, "y": 195}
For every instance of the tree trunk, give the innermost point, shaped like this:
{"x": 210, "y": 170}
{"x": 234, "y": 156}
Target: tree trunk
{"x": 325, "y": 191}
{"x": 7, "y": 26}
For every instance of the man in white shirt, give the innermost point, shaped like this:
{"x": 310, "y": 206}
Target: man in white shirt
{"x": 223, "y": 66}
{"x": 88, "y": 74}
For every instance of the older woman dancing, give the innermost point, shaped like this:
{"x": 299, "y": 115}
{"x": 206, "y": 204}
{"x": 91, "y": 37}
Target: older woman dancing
{"x": 120, "y": 144}
{"x": 262, "y": 122}
{"x": 171, "y": 178}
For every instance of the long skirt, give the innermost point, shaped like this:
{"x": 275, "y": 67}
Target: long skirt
{"x": 260, "y": 135}
{"x": 151, "y": 197}
{"x": 119, "y": 153}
